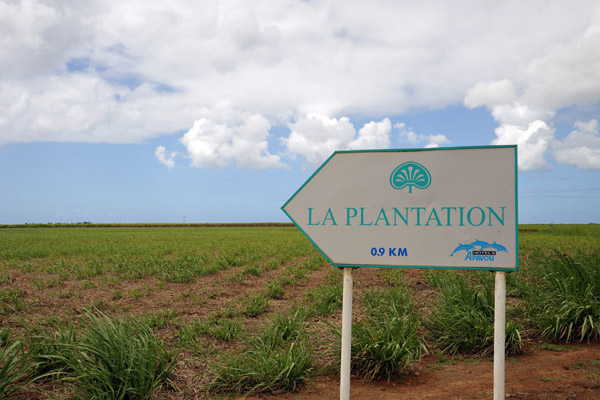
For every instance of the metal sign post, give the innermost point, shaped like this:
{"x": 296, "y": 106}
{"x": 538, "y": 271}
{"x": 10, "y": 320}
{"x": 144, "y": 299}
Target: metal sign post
{"x": 346, "y": 335}
{"x": 499, "y": 334}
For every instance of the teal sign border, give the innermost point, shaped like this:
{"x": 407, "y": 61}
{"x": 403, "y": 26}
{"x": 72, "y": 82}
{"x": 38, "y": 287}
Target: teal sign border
{"x": 418, "y": 266}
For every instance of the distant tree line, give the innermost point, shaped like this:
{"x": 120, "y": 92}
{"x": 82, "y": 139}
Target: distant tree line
{"x": 87, "y": 224}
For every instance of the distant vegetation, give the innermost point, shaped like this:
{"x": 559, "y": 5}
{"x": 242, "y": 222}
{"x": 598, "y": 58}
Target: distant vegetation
{"x": 158, "y": 225}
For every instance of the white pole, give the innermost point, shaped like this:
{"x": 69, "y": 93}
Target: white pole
{"x": 346, "y": 335}
{"x": 499, "y": 334}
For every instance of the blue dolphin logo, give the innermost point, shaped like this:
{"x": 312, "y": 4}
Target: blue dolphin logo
{"x": 460, "y": 247}
{"x": 498, "y": 247}
{"x": 482, "y": 245}
{"x": 479, "y": 245}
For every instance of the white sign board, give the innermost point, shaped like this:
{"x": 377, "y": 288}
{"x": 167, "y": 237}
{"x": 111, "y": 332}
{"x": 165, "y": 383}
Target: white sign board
{"x": 424, "y": 208}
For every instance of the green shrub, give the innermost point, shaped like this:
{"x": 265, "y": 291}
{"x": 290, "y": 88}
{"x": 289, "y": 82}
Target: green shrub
{"x": 255, "y": 305}
{"x": 50, "y": 346}
{"x": 279, "y": 359}
{"x": 315, "y": 262}
{"x": 4, "y": 277}
{"x": 285, "y": 327}
{"x": 116, "y": 359}
{"x": 160, "y": 319}
{"x": 14, "y": 367}
{"x": 226, "y": 329}
{"x": 264, "y": 369}
{"x": 270, "y": 265}
{"x": 4, "y": 337}
{"x": 386, "y": 343}
{"x": 566, "y": 303}
{"x": 463, "y": 318}
{"x": 11, "y": 300}
{"x": 325, "y": 299}
{"x": 252, "y": 269}
{"x": 274, "y": 290}
{"x": 189, "y": 333}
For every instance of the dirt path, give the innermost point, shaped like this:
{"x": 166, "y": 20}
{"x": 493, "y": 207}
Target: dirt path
{"x": 572, "y": 373}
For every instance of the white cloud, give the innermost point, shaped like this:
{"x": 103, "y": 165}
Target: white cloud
{"x": 581, "y": 147}
{"x": 493, "y": 93}
{"x": 520, "y": 124}
{"x": 590, "y": 127}
{"x": 100, "y": 71}
{"x": 373, "y": 135}
{"x": 165, "y": 158}
{"x": 436, "y": 140}
{"x": 565, "y": 74}
{"x": 407, "y": 135}
{"x": 225, "y": 137}
{"x": 315, "y": 137}
{"x": 529, "y": 127}
{"x": 517, "y": 113}
{"x": 36, "y": 36}
{"x": 533, "y": 141}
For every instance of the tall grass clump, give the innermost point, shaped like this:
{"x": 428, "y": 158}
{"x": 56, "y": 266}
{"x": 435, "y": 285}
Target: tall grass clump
{"x": 11, "y": 300}
{"x": 116, "y": 359}
{"x": 189, "y": 333}
{"x": 463, "y": 318}
{"x": 274, "y": 290}
{"x": 566, "y": 302}
{"x": 50, "y": 346}
{"x": 387, "y": 342}
{"x": 324, "y": 300}
{"x": 226, "y": 329}
{"x": 254, "y": 305}
{"x": 15, "y": 367}
{"x": 286, "y": 327}
{"x": 278, "y": 359}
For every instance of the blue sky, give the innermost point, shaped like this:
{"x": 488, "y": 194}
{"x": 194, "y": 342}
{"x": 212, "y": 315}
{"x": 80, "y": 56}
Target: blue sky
{"x": 223, "y": 112}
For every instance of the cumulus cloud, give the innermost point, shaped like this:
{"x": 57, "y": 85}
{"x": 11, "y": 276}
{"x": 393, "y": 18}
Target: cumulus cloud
{"x": 37, "y": 37}
{"x": 428, "y": 141}
{"x": 533, "y": 136}
{"x": 165, "y": 158}
{"x": 521, "y": 124}
{"x": 100, "y": 71}
{"x": 373, "y": 135}
{"x": 226, "y": 137}
{"x": 436, "y": 140}
{"x": 527, "y": 124}
{"x": 581, "y": 147}
{"x": 533, "y": 142}
{"x": 83, "y": 108}
{"x": 565, "y": 74}
{"x": 491, "y": 94}
{"x": 315, "y": 137}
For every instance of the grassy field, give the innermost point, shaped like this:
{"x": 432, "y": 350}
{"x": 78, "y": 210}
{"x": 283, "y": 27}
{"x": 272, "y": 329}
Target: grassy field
{"x": 203, "y": 311}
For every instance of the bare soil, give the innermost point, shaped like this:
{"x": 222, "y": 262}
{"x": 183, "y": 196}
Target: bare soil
{"x": 572, "y": 373}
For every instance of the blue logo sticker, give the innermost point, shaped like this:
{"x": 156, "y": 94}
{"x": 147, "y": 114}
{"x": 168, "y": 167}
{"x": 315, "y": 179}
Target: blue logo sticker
{"x": 410, "y": 174}
{"x": 479, "y": 250}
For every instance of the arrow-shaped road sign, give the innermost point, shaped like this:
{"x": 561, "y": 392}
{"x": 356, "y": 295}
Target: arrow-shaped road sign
{"x": 426, "y": 208}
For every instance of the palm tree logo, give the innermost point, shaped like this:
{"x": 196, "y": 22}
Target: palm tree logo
{"x": 410, "y": 174}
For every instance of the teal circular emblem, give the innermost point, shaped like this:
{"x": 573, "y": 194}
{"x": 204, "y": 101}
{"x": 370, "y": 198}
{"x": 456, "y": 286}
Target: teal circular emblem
{"x": 410, "y": 174}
